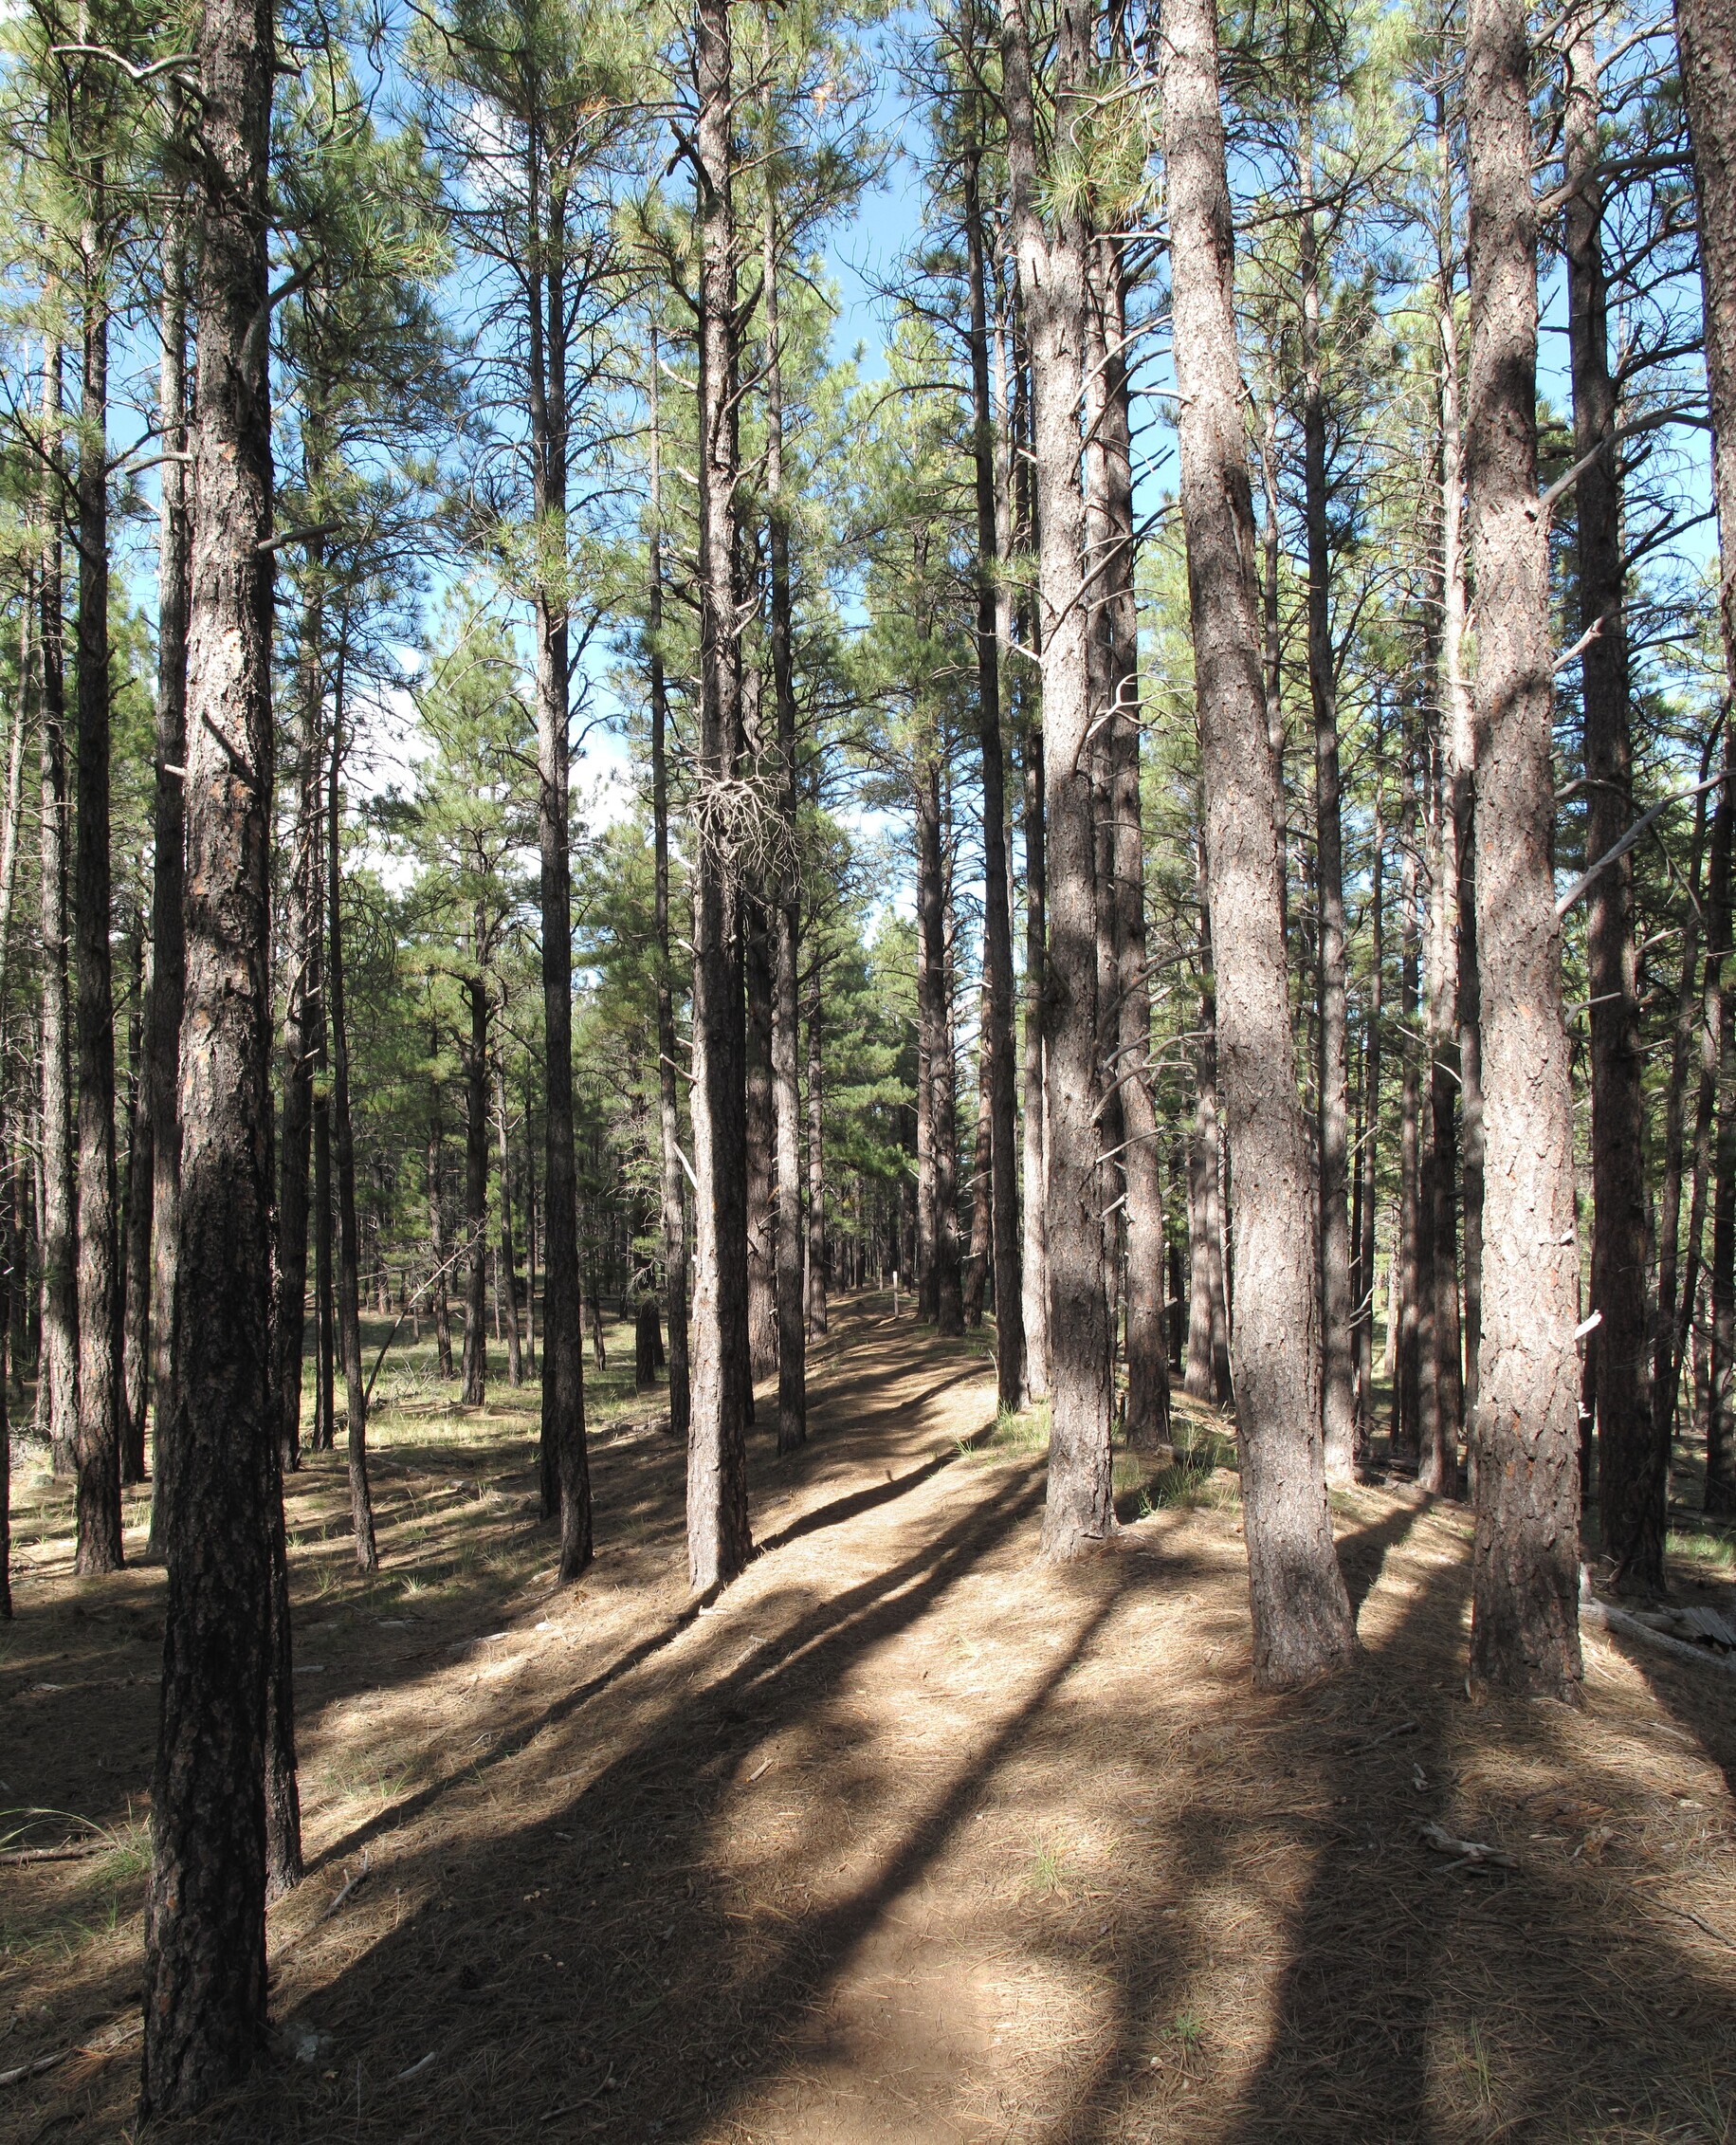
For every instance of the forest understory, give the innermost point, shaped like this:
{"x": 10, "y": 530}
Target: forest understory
{"x": 907, "y": 1837}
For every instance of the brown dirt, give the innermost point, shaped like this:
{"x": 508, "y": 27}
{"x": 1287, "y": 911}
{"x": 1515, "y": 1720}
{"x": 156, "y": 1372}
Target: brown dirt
{"x": 907, "y": 1838}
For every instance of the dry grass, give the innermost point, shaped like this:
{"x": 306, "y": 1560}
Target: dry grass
{"x": 906, "y": 1839}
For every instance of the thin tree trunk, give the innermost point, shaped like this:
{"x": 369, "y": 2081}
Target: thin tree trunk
{"x": 168, "y": 933}
{"x": 1052, "y": 283}
{"x": 301, "y": 929}
{"x": 59, "y": 1297}
{"x": 1368, "y": 1162}
{"x": 1003, "y": 1097}
{"x": 1207, "y": 1332}
{"x": 343, "y": 1158}
{"x": 436, "y": 1218}
{"x": 1438, "y": 1466}
{"x": 11, "y": 1264}
{"x": 761, "y": 1133}
{"x": 508, "y": 1263}
{"x": 205, "y": 1916}
{"x": 1337, "y": 1399}
{"x": 99, "y": 1236}
{"x": 1719, "y": 1488}
{"x": 563, "y": 1450}
{"x": 1406, "y": 1350}
{"x": 475, "y": 1380}
{"x": 786, "y": 1020}
{"x": 816, "y": 1167}
{"x": 1525, "y": 1588}
{"x": 1034, "y": 1265}
{"x": 718, "y": 1533}
{"x": 1302, "y": 1617}
{"x": 976, "y": 1255}
{"x": 668, "y": 1107}
{"x": 136, "y": 1237}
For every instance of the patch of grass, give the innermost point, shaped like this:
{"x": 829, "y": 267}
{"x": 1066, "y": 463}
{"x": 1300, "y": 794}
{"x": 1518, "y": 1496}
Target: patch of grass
{"x": 1047, "y": 1869}
{"x": 1710, "y": 1547}
{"x": 1200, "y": 1478}
{"x": 1186, "y": 2029}
{"x": 1025, "y": 1430}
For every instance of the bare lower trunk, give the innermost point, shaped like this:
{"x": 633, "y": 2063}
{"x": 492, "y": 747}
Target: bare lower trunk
{"x": 718, "y": 1533}
{"x": 1367, "y": 1169}
{"x": 816, "y": 1168}
{"x": 59, "y": 1368}
{"x": 1001, "y": 1096}
{"x": 509, "y": 1261}
{"x": 343, "y": 1158}
{"x": 1525, "y": 1618}
{"x": 1630, "y": 1470}
{"x": 1033, "y": 1266}
{"x": 205, "y": 1915}
{"x": 1437, "y": 1468}
{"x": 135, "y": 1206}
{"x": 1302, "y": 1618}
{"x": 761, "y": 1139}
{"x": 976, "y": 1252}
{"x": 436, "y": 1220}
{"x": 1208, "y": 1328}
{"x": 99, "y": 1234}
{"x": 475, "y": 1366}
{"x": 1053, "y": 284}
{"x": 674, "y": 1214}
{"x": 1406, "y": 1344}
{"x": 1666, "y": 1373}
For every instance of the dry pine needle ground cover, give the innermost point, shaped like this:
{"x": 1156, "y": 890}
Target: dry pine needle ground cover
{"x": 906, "y": 1839}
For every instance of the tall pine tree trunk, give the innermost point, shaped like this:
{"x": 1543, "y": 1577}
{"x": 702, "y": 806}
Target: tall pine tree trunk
{"x": 1524, "y": 1617}
{"x": 1033, "y": 1263}
{"x": 204, "y": 1914}
{"x": 1302, "y": 1618}
{"x": 1631, "y": 1466}
{"x": 475, "y": 1367}
{"x": 1052, "y": 283}
{"x": 59, "y": 1368}
{"x": 817, "y": 1165}
{"x": 718, "y": 1535}
{"x": 435, "y": 1171}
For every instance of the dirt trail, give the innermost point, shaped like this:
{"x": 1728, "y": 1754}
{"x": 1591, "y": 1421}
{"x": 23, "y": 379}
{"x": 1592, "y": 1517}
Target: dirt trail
{"x": 906, "y": 1839}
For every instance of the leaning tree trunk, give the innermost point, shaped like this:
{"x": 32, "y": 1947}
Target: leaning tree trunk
{"x": 1525, "y": 1588}
{"x": 1052, "y": 283}
{"x": 1631, "y": 1474}
{"x": 204, "y": 1914}
{"x": 59, "y": 1370}
{"x": 718, "y": 1534}
{"x": 997, "y": 910}
{"x": 1302, "y": 1617}
{"x": 343, "y": 1160}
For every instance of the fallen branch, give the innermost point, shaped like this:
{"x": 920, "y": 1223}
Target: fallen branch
{"x": 66, "y": 1854}
{"x": 1616, "y": 1619}
{"x": 21, "y": 2071}
{"x": 1473, "y": 1854}
{"x": 1386, "y": 1734}
{"x": 350, "y": 1885}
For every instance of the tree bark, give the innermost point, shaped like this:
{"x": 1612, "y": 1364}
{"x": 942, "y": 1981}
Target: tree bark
{"x": 475, "y": 1367}
{"x": 168, "y": 933}
{"x": 997, "y": 911}
{"x": 509, "y": 1264}
{"x": 668, "y": 1108}
{"x": 1033, "y": 1263}
{"x": 816, "y": 1166}
{"x": 1052, "y": 283}
{"x": 59, "y": 1368}
{"x": 11, "y": 1262}
{"x": 436, "y": 1217}
{"x": 1368, "y": 1162}
{"x": 718, "y": 1534}
{"x": 1525, "y": 1588}
{"x": 786, "y": 1021}
{"x": 976, "y": 1252}
{"x": 1302, "y": 1617}
{"x": 1412, "y": 1269}
{"x": 1207, "y": 1332}
{"x": 135, "y": 1210}
{"x": 1337, "y": 1397}
{"x": 343, "y": 1158}
{"x": 1438, "y": 1467}
{"x": 1631, "y": 1474}
{"x": 204, "y": 1914}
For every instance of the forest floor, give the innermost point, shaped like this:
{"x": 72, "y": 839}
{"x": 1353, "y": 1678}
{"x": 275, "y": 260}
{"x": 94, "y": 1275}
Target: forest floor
{"x": 906, "y": 1839}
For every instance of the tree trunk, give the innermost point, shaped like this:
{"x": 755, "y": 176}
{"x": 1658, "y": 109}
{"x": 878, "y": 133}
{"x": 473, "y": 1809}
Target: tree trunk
{"x": 11, "y": 1263}
{"x": 168, "y": 933}
{"x": 1630, "y": 1478}
{"x": 204, "y": 1914}
{"x": 1720, "y": 1490}
{"x": 1524, "y": 1590}
{"x": 1337, "y": 1397}
{"x": 1053, "y": 284}
{"x": 343, "y": 1158}
{"x": 977, "y": 1254}
{"x": 135, "y": 1206}
{"x": 1302, "y": 1617}
{"x": 761, "y": 1133}
{"x": 786, "y": 1024}
{"x": 1147, "y": 1412}
{"x": 99, "y": 1277}
{"x": 508, "y": 1266}
{"x": 1368, "y": 1162}
{"x": 1438, "y": 1467}
{"x": 718, "y": 1535}
{"x": 303, "y": 932}
{"x": 563, "y": 1454}
{"x": 60, "y": 1299}
{"x": 436, "y": 1217}
{"x": 668, "y": 1108}
{"x": 1033, "y": 1264}
{"x": 1002, "y": 1096}
{"x": 475, "y": 1379}
{"x": 1406, "y": 1347}
{"x": 1207, "y": 1332}
{"x": 816, "y": 1167}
